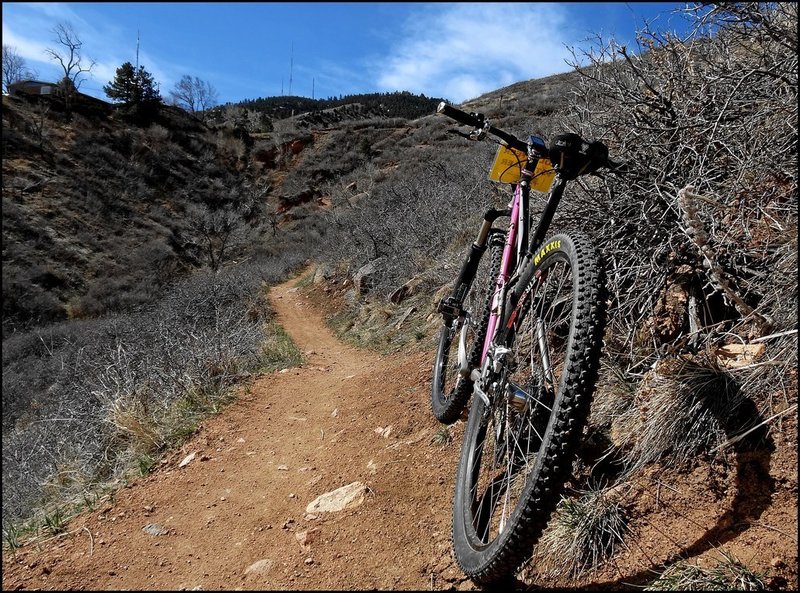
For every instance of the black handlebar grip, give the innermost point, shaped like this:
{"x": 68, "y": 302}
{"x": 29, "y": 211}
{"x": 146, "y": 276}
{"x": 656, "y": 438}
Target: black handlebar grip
{"x": 460, "y": 116}
{"x": 469, "y": 119}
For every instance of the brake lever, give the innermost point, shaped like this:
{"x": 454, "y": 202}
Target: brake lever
{"x": 478, "y": 134}
{"x": 613, "y": 167}
{"x": 474, "y": 135}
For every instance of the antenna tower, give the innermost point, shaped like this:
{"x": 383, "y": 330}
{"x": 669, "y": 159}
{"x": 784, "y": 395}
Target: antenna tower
{"x": 137, "y": 50}
{"x": 291, "y": 67}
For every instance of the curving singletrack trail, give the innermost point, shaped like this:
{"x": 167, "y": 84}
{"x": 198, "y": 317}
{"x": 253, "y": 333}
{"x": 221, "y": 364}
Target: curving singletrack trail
{"x": 232, "y": 516}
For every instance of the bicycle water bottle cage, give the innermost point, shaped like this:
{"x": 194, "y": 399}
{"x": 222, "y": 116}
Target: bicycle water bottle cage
{"x": 573, "y": 156}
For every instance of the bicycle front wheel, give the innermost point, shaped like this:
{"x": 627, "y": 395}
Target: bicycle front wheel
{"x": 518, "y": 451}
{"x": 451, "y": 388}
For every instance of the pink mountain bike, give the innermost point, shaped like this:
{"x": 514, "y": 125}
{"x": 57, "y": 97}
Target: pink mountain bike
{"x": 521, "y": 337}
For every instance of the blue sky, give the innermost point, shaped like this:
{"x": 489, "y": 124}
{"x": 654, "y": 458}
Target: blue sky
{"x": 245, "y": 49}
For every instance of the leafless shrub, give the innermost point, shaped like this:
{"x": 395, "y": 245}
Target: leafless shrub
{"x": 82, "y": 401}
{"x": 700, "y": 235}
{"x": 158, "y": 133}
{"x": 411, "y": 221}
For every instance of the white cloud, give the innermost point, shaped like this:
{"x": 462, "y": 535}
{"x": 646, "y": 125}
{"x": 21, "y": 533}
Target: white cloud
{"x": 29, "y": 29}
{"x": 30, "y": 49}
{"x": 458, "y": 51}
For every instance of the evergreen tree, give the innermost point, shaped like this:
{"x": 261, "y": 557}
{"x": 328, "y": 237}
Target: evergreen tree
{"x": 132, "y": 86}
{"x": 147, "y": 87}
{"x": 122, "y": 87}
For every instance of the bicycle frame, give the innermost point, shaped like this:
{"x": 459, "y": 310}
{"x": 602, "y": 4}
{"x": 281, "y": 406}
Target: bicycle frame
{"x": 515, "y": 271}
{"x": 517, "y": 255}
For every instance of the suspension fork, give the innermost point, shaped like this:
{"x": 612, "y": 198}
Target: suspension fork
{"x": 451, "y": 307}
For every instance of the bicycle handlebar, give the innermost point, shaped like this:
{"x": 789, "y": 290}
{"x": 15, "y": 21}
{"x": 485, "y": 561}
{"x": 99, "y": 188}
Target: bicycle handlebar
{"x": 468, "y": 119}
{"x": 477, "y": 121}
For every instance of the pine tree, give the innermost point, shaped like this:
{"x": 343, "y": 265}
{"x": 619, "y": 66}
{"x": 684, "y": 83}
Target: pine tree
{"x": 147, "y": 88}
{"x": 132, "y": 87}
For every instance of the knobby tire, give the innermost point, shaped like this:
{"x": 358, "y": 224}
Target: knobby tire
{"x": 514, "y": 463}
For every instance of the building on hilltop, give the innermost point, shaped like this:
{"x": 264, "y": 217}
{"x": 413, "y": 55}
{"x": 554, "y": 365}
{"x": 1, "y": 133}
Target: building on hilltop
{"x": 31, "y": 87}
{"x": 40, "y": 88}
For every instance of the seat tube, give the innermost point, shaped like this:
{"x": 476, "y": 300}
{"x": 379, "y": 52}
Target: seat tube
{"x": 505, "y": 269}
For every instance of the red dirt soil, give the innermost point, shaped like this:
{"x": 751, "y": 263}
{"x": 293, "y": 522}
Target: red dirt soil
{"x": 234, "y": 516}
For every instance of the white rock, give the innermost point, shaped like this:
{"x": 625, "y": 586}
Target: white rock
{"x": 154, "y": 529}
{"x": 346, "y": 497}
{"x": 384, "y": 432}
{"x": 259, "y": 567}
{"x": 187, "y": 460}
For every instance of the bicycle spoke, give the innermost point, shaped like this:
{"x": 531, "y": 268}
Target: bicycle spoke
{"x": 511, "y": 438}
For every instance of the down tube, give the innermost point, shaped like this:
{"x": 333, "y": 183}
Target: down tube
{"x": 505, "y": 266}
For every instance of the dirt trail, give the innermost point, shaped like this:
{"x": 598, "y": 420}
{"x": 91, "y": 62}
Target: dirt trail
{"x": 232, "y": 515}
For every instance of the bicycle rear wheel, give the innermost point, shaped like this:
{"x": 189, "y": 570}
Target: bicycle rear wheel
{"x": 518, "y": 451}
{"x": 450, "y": 389}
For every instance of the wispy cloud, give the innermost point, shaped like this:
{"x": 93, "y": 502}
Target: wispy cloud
{"x": 458, "y": 51}
{"x": 30, "y": 32}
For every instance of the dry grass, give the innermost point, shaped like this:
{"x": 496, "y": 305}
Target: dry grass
{"x": 682, "y": 406}
{"x": 727, "y": 574}
{"x": 584, "y": 533}
{"x": 106, "y": 397}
